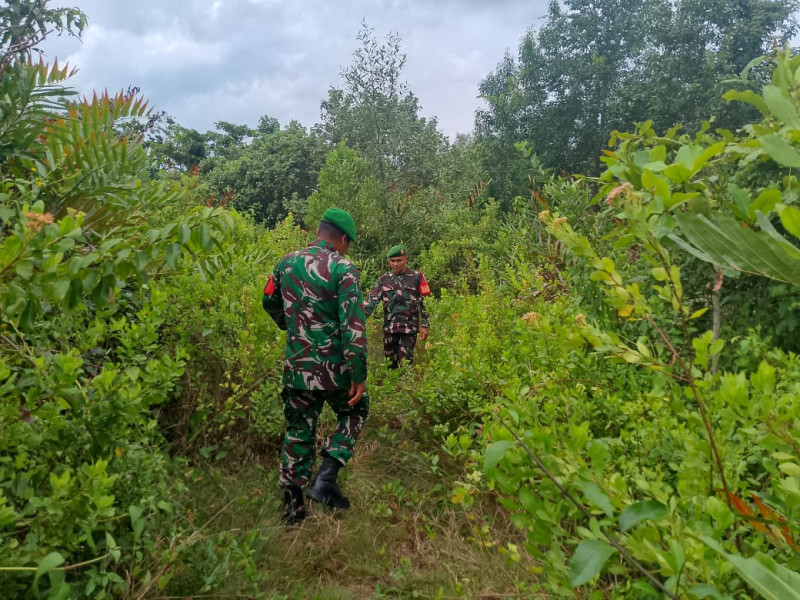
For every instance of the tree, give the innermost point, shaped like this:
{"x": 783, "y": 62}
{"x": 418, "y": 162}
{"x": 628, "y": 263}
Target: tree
{"x": 375, "y": 114}
{"x": 177, "y": 148}
{"x": 602, "y": 65}
{"x": 267, "y": 170}
{"x": 25, "y": 23}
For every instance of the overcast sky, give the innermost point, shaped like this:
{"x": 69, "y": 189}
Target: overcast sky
{"x": 204, "y": 61}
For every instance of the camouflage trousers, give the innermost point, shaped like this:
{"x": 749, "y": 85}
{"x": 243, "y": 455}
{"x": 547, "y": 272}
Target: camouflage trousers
{"x": 398, "y": 347}
{"x": 302, "y": 409}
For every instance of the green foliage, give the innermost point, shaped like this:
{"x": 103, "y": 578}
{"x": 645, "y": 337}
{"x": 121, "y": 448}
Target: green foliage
{"x": 25, "y": 23}
{"x": 577, "y": 78}
{"x": 272, "y": 174}
{"x": 629, "y": 441}
{"x": 725, "y": 200}
{"x": 376, "y": 115}
{"x": 228, "y": 402}
{"x": 627, "y": 444}
{"x": 84, "y": 255}
{"x": 610, "y": 430}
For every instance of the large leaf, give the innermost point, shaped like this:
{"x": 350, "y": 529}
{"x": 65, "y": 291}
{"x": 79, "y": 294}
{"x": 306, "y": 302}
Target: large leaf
{"x": 748, "y": 96}
{"x": 596, "y": 496}
{"x": 780, "y": 106}
{"x": 588, "y": 561}
{"x": 47, "y": 564}
{"x": 728, "y": 243}
{"x": 790, "y": 219}
{"x": 781, "y": 151}
{"x": 636, "y": 513}
{"x": 494, "y": 453}
{"x": 768, "y": 578}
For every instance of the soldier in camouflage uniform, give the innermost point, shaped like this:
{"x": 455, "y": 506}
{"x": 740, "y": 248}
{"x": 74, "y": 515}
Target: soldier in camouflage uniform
{"x": 402, "y": 291}
{"x": 314, "y": 294}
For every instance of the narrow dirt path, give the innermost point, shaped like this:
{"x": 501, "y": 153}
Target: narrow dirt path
{"x": 402, "y": 538}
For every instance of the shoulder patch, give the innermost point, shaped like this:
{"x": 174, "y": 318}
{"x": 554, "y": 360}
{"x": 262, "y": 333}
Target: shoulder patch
{"x": 269, "y": 289}
{"x": 424, "y": 288}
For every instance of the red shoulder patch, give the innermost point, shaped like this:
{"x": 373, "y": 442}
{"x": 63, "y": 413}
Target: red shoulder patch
{"x": 269, "y": 289}
{"x": 424, "y": 288}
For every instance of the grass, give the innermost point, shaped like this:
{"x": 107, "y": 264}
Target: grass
{"x": 402, "y": 537}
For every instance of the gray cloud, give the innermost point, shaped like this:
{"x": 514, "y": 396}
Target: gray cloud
{"x": 204, "y": 61}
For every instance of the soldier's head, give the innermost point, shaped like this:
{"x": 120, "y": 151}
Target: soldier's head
{"x": 338, "y": 228}
{"x": 398, "y": 259}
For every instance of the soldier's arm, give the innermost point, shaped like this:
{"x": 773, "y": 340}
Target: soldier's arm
{"x": 272, "y": 302}
{"x": 373, "y": 299}
{"x": 423, "y": 314}
{"x": 351, "y": 322}
{"x": 424, "y": 290}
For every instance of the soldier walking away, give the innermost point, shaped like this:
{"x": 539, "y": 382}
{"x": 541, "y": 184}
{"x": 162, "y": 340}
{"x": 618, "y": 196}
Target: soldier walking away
{"x": 314, "y": 295}
{"x": 401, "y": 291}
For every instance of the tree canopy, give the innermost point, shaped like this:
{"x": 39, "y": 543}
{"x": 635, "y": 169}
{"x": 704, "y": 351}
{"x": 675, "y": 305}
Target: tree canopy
{"x": 599, "y": 65}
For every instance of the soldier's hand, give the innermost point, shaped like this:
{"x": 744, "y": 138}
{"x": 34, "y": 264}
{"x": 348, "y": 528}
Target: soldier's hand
{"x": 423, "y": 333}
{"x": 356, "y": 391}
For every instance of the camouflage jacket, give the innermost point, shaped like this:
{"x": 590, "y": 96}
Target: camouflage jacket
{"x": 402, "y": 297}
{"x": 315, "y": 295}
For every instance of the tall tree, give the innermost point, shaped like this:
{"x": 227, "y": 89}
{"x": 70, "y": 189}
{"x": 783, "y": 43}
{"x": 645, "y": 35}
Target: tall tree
{"x": 267, "y": 171}
{"x": 600, "y": 65}
{"x": 375, "y": 114}
{"x": 177, "y": 148}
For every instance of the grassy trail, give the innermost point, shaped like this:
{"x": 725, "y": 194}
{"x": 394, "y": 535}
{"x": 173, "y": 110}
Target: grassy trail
{"x": 402, "y": 537}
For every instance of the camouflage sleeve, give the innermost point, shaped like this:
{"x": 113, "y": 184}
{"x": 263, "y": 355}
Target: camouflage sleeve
{"x": 423, "y": 314}
{"x": 373, "y": 299}
{"x": 272, "y": 300}
{"x": 351, "y": 322}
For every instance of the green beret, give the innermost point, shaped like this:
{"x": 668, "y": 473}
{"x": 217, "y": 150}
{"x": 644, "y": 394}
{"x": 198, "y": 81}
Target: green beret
{"x": 398, "y": 250}
{"x": 341, "y": 219}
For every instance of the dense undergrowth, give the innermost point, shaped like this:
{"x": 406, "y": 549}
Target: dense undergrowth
{"x": 597, "y": 413}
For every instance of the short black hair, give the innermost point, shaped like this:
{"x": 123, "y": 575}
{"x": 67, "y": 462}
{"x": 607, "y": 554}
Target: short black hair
{"x": 330, "y": 230}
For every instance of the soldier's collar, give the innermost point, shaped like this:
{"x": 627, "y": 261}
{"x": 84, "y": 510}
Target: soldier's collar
{"x": 323, "y": 244}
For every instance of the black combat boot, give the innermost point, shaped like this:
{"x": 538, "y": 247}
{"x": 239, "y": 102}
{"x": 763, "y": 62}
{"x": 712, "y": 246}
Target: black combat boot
{"x": 325, "y": 488}
{"x": 294, "y": 509}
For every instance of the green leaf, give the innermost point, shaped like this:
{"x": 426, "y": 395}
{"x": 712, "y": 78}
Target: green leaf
{"x": 705, "y": 590}
{"x": 588, "y": 561}
{"x": 596, "y": 496}
{"x": 765, "y": 202}
{"x": 770, "y": 579}
{"x": 140, "y": 260}
{"x": 50, "y": 562}
{"x": 184, "y": 233}
{"x": 790, "y": 219}
{"x": 636, "y": 513}
{"x": 748, "y": 96}
{"x": 108, "y": 245}
{"x": 658, "y": 185}
{"x": 707, "y": 155}
{"x": 781, "y": 151}
{"x": 727, "y": 243}
{"x": 494, "y": 453}
{"x": 75, "y": 292}
{"x": 741, "y": 200}
{"x": 205, "y": 236}
{"x": 24, "y": 268}
{"x": 781, "y": 106}
{"x": 528, "y": 500}
{"x": 789, "y": 468}
{"x": 137, "y": 521}
{"x": 172, "y": 254}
